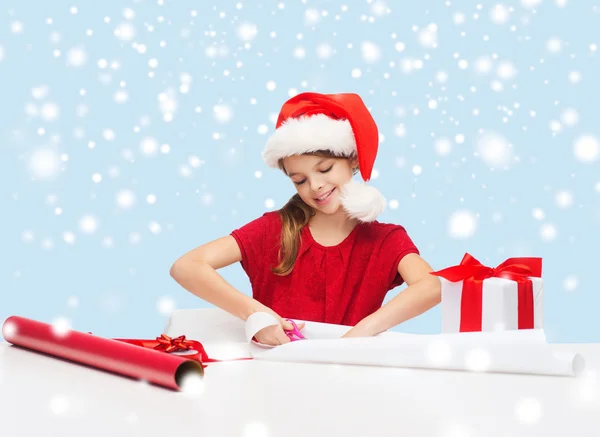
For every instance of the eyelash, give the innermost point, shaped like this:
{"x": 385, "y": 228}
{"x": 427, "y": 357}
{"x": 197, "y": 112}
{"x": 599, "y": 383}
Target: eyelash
{"x": 322, "y": 171}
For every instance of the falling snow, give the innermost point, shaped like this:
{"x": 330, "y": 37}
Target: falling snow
{"x": 145, "y": 128}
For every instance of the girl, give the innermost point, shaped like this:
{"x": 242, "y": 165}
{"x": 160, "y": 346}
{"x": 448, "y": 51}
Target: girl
{"x": 322, "y": 257}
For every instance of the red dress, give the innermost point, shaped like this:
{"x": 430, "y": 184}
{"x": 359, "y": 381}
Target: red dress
{"x": 339, "y": 284}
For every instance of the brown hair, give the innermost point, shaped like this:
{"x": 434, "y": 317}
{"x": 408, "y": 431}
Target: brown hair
{"x": 295, "y": 214}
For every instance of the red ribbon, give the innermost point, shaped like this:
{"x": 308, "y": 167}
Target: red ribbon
{"x": 473, "y": 273}
{"x": 167, "y": 344}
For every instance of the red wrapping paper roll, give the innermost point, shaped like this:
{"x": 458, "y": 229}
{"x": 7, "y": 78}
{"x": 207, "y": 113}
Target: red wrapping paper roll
{"x": 106, "y": 354}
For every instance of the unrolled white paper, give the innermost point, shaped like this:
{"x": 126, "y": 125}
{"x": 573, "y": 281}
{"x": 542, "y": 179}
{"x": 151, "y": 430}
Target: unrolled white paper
{"x": 513, "y": 351}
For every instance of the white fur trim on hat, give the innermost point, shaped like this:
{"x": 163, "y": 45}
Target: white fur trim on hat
{"x": 361, "y": 201}
{"x": 309, "y": 134}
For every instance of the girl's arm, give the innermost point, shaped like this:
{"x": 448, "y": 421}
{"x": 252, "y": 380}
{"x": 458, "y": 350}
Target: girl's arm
{"x": 196, "y": 271}
{"x": 423, "y": 293}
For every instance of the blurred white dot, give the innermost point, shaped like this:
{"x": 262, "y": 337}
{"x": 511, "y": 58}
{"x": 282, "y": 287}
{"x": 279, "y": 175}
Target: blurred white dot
{"x": 2, "y": 51}
{"x": 460, "y": 138}
{"x": 462, "y": 224}
{"x": 255, "y": 429}
{"x": 538, "y": 214}
{"x": 574, "y": 77}
{"x": 271, "y": 85}
{"x": 44, "y": 164}
{"x": 494, "y": 149}
{"x": 16, "y": 27}
{"x": 154, "y": 227}
{"x": 370, "y": 52}
{"x": 528, "y": 410}
{"x": 441, "y": 76}
{"x": 247, "y": 31}
{"x": 442, "y": 146}
{"x": 530, "y": 4}
{"x": 129, "y": 13}
{"x": 554, "y": 45}
{"x": 165, "y": 149}
{"x": 222, "y": 113}
{"x": 499, "y": 14}
{"x": 27, "y": 236}
{"x": 125, "y": 31}
{"x": 61, "y": 326}
{"x": 569, "y": 116}
{"x": 97, "y": 178}
{"x": 125, "y": 199}
{"x": 506, "y": 70}
{"x": 76, "y": 57}
{"x": 149, "y": 146}
{"x": 153, "y": 63}
{"x": 324, "y": 51}
{"x": 207, "y": 199}
{"x": 432, "y": 104}
{"x": 586, "y": 148}
{"x": 258, "y": 174}
{"x": 59, "y": 405}
{"x": 120, "y": 97}
{"x": 263, "y": 129}
{"x": 564, "y": 199}
{"x": 192, "y": 385}
{"x": 108, "y": 134}
{"x": 135, "y": 238}
{"x": 393, "y": 204}
{"x": 400, "y": 46}
{"x": 571, "y": 283}
{"x": 483, "y": 65}
{"x": 400, "y": 130}
{"x": 356, "y": 73}
{"x": 88, "y": 224}
{"x": 73, "y": 302}
{"x": 428, "y": 36}
{"x": 165, "y": 305}
{"x": 478, "y": 360}
{"x": 597, "y": 187}
{"x": 151, "y": 199}
{"x": 459, "y": 18}
{"x": 417, "y": 170}
{"x": 269, "y": 203}
{"x": 69, "y": 237}
{"x": 463, "y": 64}
{"x": 548, "y": 232}
{"x": 50, "y": 111}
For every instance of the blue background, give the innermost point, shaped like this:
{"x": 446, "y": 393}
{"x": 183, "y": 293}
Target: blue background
{"x": 112, "y": 281}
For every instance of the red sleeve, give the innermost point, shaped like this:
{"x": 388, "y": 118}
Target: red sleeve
{"x": 253, "y": 239}
{"x": 396, "y": 245}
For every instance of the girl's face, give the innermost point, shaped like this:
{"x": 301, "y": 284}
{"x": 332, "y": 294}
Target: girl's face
{"x": 319, "y": 179}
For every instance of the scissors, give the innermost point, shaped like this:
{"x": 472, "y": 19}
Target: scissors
{"x": 294, "y": 334}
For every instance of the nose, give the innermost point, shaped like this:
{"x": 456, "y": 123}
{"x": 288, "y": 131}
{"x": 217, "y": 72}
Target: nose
{"x": 316, "y": 184}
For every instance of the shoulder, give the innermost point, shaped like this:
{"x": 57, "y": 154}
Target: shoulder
{"x": 268, "y": 221}
{"x": 378, "y": 231}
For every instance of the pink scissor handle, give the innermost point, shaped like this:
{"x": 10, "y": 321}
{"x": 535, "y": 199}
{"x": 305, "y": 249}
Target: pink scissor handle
{"x": 294, "y": 334}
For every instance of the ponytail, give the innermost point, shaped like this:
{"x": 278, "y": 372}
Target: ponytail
{"x": 294, "y": 216}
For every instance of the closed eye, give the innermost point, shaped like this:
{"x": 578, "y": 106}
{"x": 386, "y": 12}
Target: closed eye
{"x": 327, "y": 170}
{"x": 300, "y": 182}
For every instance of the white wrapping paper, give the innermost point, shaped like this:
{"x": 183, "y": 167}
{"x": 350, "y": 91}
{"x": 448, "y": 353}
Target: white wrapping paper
{"x": 514, "y": 351}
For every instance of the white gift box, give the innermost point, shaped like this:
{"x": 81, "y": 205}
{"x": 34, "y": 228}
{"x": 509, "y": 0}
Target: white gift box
{"x": 500, "y": 304}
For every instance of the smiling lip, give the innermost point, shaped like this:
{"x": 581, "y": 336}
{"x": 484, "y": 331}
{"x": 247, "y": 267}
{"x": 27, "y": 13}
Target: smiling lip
{"x": 327, "y": 194}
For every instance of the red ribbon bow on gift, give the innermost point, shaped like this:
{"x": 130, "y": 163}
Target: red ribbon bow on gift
{"x": 473, "y": 273}
{"x": 168, "y": 344}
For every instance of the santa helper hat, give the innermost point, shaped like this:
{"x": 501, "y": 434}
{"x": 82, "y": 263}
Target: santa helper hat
{"x": 339, "y": 123}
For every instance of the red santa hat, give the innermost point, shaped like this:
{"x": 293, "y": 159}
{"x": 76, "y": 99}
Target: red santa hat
{"x": 341, "y": 124}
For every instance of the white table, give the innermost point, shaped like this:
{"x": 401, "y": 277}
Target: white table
{"x": 45, "y": 396}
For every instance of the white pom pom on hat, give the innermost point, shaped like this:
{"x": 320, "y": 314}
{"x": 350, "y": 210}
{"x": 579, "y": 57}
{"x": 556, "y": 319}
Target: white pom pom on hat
{"x": 341, "y": 124}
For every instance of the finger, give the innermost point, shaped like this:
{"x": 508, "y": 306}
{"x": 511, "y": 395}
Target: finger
{"x": 281, "y": 337}
{"x": 287, "y": 325}
{"x": 301, "y": 325}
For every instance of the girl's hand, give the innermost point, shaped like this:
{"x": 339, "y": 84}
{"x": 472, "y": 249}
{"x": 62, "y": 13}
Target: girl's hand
{"x": 274, "y": 335}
